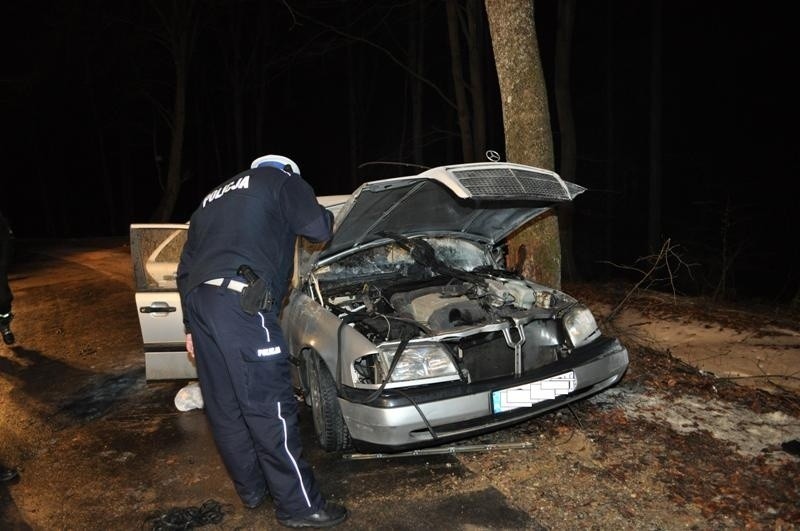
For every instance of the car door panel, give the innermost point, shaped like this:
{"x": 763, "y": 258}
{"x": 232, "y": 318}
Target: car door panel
{"x": 155, "y": 251}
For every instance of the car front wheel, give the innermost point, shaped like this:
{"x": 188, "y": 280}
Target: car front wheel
{"x": 329, "y": 425}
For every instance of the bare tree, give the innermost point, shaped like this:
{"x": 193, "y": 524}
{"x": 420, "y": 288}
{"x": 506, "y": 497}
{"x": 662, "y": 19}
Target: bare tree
{"x": 178, "y": 27}
{"x": 526, "y": 116}
{"x": 533, "y": 250}
{"x": 459, "y": 85}
{"x": 467, "y": 100}
{"x": 474, "y": 27}
{"x": 465, "y": 23}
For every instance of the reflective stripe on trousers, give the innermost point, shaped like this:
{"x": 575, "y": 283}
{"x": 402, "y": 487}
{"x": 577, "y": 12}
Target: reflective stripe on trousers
{"x": 244, "y": 372}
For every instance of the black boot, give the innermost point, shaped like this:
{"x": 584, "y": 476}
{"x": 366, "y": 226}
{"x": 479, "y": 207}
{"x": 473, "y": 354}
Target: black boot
{"x": 5, "y": 328}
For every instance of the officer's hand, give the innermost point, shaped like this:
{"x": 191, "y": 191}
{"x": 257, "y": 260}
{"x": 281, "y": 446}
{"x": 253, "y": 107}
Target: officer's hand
{"x": 190, "y": 347}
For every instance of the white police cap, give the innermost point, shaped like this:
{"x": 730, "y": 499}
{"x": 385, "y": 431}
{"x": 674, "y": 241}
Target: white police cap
{"x": 276, "y": 161}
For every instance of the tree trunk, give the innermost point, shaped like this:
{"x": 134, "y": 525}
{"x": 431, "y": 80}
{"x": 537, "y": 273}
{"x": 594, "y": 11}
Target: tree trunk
{"x": 172, "y": 186}
{"x": 563, "y": 92}
{"x": 416, "y": 38}
{"x": 566, "y": 127}
{"x": 476, "y": 61}
{"x": 654, "y": 217}
{"x": 459, "y": 85}
{"x": 526, "y": 117}
{"x": 179, "y": 31}
{"x": 534, "y": 249}
{"x": 611, "y": 178}
{"x": 534, "y": 252}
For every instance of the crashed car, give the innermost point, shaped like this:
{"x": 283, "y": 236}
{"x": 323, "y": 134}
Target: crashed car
{"x": 407, "y": 329}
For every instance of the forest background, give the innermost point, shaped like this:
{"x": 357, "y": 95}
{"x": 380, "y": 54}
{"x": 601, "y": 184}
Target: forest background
{"x": 682, "y": 116}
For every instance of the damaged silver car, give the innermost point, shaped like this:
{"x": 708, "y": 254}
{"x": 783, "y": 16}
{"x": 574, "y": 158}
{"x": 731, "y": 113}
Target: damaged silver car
{"x": 407, "y": 329}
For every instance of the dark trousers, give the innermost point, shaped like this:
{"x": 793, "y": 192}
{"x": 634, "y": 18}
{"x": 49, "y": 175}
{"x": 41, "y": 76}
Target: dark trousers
{"x": 5, "y": 261}
{"x": 5, "y": 293}
{"x": 244, "y": 373}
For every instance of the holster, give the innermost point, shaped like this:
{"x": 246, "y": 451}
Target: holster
{"x": 256, "y": 297}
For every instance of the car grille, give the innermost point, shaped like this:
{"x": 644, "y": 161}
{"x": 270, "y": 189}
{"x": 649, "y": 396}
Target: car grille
{"x": 487, "y": 356}
{"x": 504, "y": 181}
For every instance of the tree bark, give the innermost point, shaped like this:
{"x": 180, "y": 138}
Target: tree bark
{"x": 534, "y": 249}
{"x": 526, "y": 116}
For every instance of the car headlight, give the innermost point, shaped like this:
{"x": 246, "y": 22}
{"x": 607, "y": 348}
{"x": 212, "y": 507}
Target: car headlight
{"x": 580, "y": 326}
{"x": 419, "y": 361}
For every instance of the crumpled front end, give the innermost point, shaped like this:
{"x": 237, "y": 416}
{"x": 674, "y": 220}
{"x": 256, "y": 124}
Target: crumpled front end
{"x": 427, "y": 341}
{"x": 427, "y": 416}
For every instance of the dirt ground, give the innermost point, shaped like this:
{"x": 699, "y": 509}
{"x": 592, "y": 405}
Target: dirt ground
{"x": 701, "y": 433}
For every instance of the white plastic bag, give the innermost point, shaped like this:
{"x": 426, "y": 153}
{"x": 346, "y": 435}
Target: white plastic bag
{"x": 189, "y": 397}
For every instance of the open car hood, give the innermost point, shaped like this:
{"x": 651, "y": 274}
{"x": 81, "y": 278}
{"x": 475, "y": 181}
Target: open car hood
{"x": 483, "y": 201}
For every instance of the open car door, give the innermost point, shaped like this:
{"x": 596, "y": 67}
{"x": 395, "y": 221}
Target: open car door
{"x": 156, "y": 251}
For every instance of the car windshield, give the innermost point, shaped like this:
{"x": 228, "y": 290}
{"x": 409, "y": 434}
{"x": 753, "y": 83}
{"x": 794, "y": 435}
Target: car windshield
{"x": 396, "y": 258}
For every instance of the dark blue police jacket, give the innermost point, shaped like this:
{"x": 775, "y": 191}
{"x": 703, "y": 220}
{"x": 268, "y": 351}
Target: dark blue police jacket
{"x": 251, "y": 219}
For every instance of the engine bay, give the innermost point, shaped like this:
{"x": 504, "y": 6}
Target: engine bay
{"x": 417, "y": 288}
{"x": 416, "y": 309}
{"x": 490, "y": 321}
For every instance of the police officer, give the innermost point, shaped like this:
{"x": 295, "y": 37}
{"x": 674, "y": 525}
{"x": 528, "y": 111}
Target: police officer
{"x": 5, "y": 291}
{"x": 231, "y": 315}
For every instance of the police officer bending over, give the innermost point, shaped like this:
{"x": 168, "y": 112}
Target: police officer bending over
{"x": 232, "y": 276}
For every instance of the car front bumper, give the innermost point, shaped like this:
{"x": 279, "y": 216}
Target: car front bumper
{"x": 395, "y": 421}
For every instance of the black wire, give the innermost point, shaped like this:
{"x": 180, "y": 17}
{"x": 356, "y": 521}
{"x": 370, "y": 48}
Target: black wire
{"x": 400, "y": 348}
{"x": 428, "y": 425}
{"x": 371, "y": 398}
{"x": 210, "y": 512}
{"x": 574, "y": 414}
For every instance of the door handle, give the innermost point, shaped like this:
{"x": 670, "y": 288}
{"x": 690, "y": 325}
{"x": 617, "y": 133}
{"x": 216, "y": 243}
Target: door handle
{"x": 158, "y": 307}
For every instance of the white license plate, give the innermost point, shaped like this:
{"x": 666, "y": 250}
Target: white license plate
{"x": 528, "y": 394}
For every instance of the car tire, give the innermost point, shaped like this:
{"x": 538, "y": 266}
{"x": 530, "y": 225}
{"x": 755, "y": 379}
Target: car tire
{"x": 329, "y": 426}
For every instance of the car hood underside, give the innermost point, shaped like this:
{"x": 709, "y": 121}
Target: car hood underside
{"x": 482, "y": 201}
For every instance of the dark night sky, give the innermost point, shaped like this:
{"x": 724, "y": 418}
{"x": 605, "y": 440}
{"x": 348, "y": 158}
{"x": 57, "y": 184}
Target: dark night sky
{"x": 81, "y": 135}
